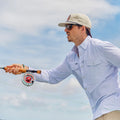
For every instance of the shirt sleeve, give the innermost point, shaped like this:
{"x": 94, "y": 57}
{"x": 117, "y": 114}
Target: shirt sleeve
{"x": 55, "y": 75}
{"x": 111, "y": 53}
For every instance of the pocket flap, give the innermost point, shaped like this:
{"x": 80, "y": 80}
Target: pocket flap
{"x": 93, "y": 62}
{"x": 74, "y": 66}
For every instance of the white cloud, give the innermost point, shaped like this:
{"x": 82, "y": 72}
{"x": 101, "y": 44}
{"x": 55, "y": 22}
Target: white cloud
{"x": 27, "y": 16}
{"x": 19, "y": 17}
{"x": 42, "y": 97}
{"x": 68, "y": 87}
{"x": 7, "y": 37}
{"x": 19, "y": 100}
{"x": 26, "y": 101}
{"x": 72, "y": 87}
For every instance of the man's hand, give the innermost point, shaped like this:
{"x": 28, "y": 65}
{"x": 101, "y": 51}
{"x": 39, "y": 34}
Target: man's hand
{"x": 15, "y": 68}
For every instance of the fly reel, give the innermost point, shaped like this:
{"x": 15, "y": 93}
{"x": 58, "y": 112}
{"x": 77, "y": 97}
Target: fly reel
{"x": 28, "y": 79}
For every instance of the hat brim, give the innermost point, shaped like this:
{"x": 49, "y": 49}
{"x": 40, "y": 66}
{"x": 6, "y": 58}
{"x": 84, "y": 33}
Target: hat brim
{"x": 65, "y": 23}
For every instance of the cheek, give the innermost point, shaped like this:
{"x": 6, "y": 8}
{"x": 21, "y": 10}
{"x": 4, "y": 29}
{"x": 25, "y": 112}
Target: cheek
{"x": 76, "y": 34}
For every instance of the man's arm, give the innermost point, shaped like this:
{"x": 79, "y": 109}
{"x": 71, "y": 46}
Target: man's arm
{"x": 50, "y": 76}
{"x": 55, "y": 75}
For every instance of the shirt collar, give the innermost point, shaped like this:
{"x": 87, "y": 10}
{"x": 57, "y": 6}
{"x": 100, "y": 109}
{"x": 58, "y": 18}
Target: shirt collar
{"x": 84, "y": 44}
{"x": 74, "y": 49}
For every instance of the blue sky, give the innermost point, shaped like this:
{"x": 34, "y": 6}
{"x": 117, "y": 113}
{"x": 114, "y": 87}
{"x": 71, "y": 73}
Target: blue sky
{"x": 29, "y": 34}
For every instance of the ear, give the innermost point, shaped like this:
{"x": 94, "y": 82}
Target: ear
{"x": 83, "y": 28}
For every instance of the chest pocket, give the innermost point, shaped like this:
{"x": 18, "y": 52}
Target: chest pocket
{"x": 93, "y": 70}
{"x": 93, "y": 63}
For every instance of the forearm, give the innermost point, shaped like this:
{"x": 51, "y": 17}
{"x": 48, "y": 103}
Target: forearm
{"x": 52, "y": 76}
{"x": 55, "y": 75}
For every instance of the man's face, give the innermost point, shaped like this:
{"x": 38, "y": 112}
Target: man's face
{"x": 73, "y": 33}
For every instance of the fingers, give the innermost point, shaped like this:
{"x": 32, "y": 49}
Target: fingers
{"x": 14, "y": 69}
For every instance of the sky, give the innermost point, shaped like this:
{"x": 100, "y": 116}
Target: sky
{"x": 29, "y": 34}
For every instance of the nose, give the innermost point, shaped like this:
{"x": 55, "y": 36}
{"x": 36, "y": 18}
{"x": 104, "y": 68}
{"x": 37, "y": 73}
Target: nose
{"x": 65, "y": 29}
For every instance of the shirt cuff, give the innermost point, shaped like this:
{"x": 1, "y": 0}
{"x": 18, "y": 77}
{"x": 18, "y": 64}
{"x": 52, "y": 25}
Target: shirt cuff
{"x": 43, "y": 77}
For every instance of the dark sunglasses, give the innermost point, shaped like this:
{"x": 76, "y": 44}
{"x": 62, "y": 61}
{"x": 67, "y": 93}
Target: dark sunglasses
{"x": 70, "y": 26}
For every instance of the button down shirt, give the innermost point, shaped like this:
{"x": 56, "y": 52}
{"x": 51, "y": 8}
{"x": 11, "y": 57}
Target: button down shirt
{"x": 96, "y": 69}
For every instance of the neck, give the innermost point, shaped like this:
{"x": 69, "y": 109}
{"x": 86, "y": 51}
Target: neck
{"x": 77, "y": 43}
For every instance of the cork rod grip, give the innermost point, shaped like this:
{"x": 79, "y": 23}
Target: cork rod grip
{"x": 22, "y": 70}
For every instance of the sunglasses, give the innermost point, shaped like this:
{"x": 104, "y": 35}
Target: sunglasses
{"x": 70, "y": 26}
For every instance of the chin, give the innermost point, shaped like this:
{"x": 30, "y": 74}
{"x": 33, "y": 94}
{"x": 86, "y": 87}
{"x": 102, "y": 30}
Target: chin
{"x": 69, "y": 40}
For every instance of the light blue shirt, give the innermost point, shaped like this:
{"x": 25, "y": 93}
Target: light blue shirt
{"x": 96, "y": 69}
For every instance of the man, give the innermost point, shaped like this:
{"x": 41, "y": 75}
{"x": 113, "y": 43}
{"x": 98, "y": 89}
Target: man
{"x": 95, "y": 65}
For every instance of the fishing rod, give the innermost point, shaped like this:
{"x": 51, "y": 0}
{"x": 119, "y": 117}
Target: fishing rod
{"x": 24, "y": 70}
{"x": 28, "y": 77}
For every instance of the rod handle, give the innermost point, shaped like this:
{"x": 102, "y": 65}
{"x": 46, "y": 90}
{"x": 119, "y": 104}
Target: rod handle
{"x": 33, "y": 71}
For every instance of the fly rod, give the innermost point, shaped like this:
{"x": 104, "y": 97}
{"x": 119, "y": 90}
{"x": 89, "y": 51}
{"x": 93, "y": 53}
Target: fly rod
{"x": 24, "y": 70}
